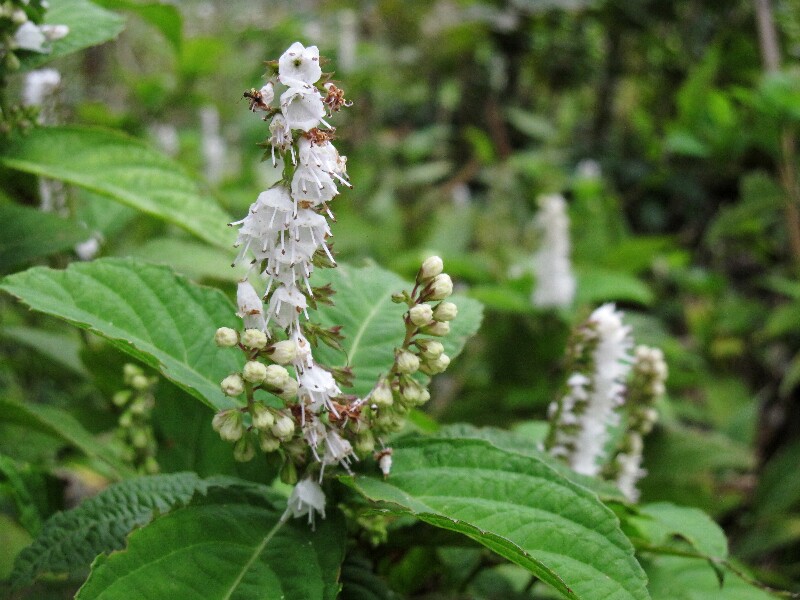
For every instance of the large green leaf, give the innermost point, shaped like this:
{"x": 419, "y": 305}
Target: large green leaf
{"x": 124, "y": 169}
{"x": 60, "y": 424}
{"x": 69, "y": 541}
{"x": 373, "y": 324}
{"x": 225, "y": 552}
{"x": 517, "y": 506}
{"x": 88, "y": 24}
{"x": 27, "y": 234}
{"x": 145, "y": 310}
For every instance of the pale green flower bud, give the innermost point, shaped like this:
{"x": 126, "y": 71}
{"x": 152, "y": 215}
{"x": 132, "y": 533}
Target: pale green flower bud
{"x": 225, "y": 337}
{"x": 424, "y": 396}
{"x": 121, "y": 398}
{"x": 430, "y": 349}
{"x": 139, "y": 438}
{"x": 140, "y": 382}
{"x": 431, "y": 267}
{"x": 232, "y": 385}
{"x": 255, "y": 339}
{"x": 125, "y": 419}
{"x": 446, "y": 311}
{"x": 129, "y": 371}
{"x": 283, "y": 352}
{"x": 440, "y": 288}
{"x": 254, "y": 371}
{"x": 382, "y": 395}
{"x": 244, "y": 450}
{"x": 283, "y": 427}
{"x": 268, "y": 442}
{"x": 289, "y": 390}
{"x": 151, "y": 466}
{"x": 262, "y": 417}
{"x": 411, "y": 392}
{"x": 365, "y": 442}
{"x": 438, "y": 365}
{"x": 276, "y": 376}
{"x": 420, "y": 314}
{"x": 228, "y": 423}
{"x": 406, "y": 362}
{"x": 438, "y": 328}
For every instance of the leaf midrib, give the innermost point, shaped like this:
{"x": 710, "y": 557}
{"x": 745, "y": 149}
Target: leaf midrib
{"x": 258, "y": 550}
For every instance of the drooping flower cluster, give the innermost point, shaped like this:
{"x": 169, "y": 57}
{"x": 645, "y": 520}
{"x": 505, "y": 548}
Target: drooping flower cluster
{"x": 646, "y": 386}
{"x": 135, "y": 431}
{"x": 595, "y": 391}
{"x": 555, "y": 282}
{"x": 294, "y": 405}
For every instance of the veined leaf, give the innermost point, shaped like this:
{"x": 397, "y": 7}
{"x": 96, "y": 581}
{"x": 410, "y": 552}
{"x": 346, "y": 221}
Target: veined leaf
{"x": 69, "y": 541}
{"x": 225, "y": 552}
{"x": 677, "y": 578}
{"x": 88, "y": 24}
{"x": 60, "y": 424}
{"x": 518, "y": 507}
{"x": 373, "y": 324}
{"x": 144, "y": 310}
{"x": 123, "y": 169}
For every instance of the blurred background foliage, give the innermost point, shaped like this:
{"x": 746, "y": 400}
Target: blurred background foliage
{"x": 657, "y": 120}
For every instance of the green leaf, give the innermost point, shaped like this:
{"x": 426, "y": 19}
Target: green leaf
{"x": 373, "y": 324}
{"x": 88, "y": 24}
{"x": 124, "y": 169}
{"x": 677, "y": 578}
{"x": 61, "y": 348}
{"x": 163, "y": 17}
{"x": 659, "y": 522}
{"x": 194, "y": 259}
{"x": 226, "y": 552}
{"x": 144, "y": 310}
{"x": 359, "y": 581}
{"x": 517, "y": 506}
{"x": 70, "y": 540}
{"x": 596, "y": 285}
{"x": 61, "y": 425}
{"x": 27, "y": 513}
{"x": 519, "y": 443}
{"x": 27, "y": 234}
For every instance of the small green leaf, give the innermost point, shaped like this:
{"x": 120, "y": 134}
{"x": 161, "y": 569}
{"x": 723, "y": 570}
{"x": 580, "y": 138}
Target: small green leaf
{"x": 70, "y": 540}
{"x": 659, "y": 522}
{"x": 61, "y": 425}
{"x": 373, "y": 324}
{"x": 677, "y": 578}
{"x": 27, "y": 234}
{"x": 225, "y": 552}
{"x": 517, "y": 506}
{"x": 144, "y": 310}
{"x": 123, "y": 169}
{"x": 88, "y": 24}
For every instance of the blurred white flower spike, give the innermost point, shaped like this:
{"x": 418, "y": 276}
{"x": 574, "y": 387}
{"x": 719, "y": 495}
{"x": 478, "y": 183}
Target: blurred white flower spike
{"x": 555, "y": 282}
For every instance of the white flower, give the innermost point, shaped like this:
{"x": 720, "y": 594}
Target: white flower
{"x": 302, "y": 107}
{"x": 555, "y": 283}
{"x": 299, "y": 65}
{"x": 307, "y": 499}
{"x": 281, "y": 136}
{"x": 285, "y": 305}
{"x": 313, "y": 185}
{"x": 319, "y": 386}
{"x": 267, "y": 216}
{"x": 337, "y": 450}
{"x": 39, "y": 85}
{"x": 324, "y": 157}
{"x": 54, "y": 32}
{"x": 30, "y": 37}
{"x": 267, "y": 92}
{"x": 251, "y": 309}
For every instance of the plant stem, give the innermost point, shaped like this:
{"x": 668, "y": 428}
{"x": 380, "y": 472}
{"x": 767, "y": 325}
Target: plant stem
{"x": 787, "y": 156}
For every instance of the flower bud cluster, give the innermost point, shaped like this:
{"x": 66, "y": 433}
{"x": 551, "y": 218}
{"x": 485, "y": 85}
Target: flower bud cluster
{"x": 428, "y": 317}
{"x": 135, "y": 430}
{"x": 645, "y": 388}
{"x": 600, "y": 362}
{"x": 22, "y": 33}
